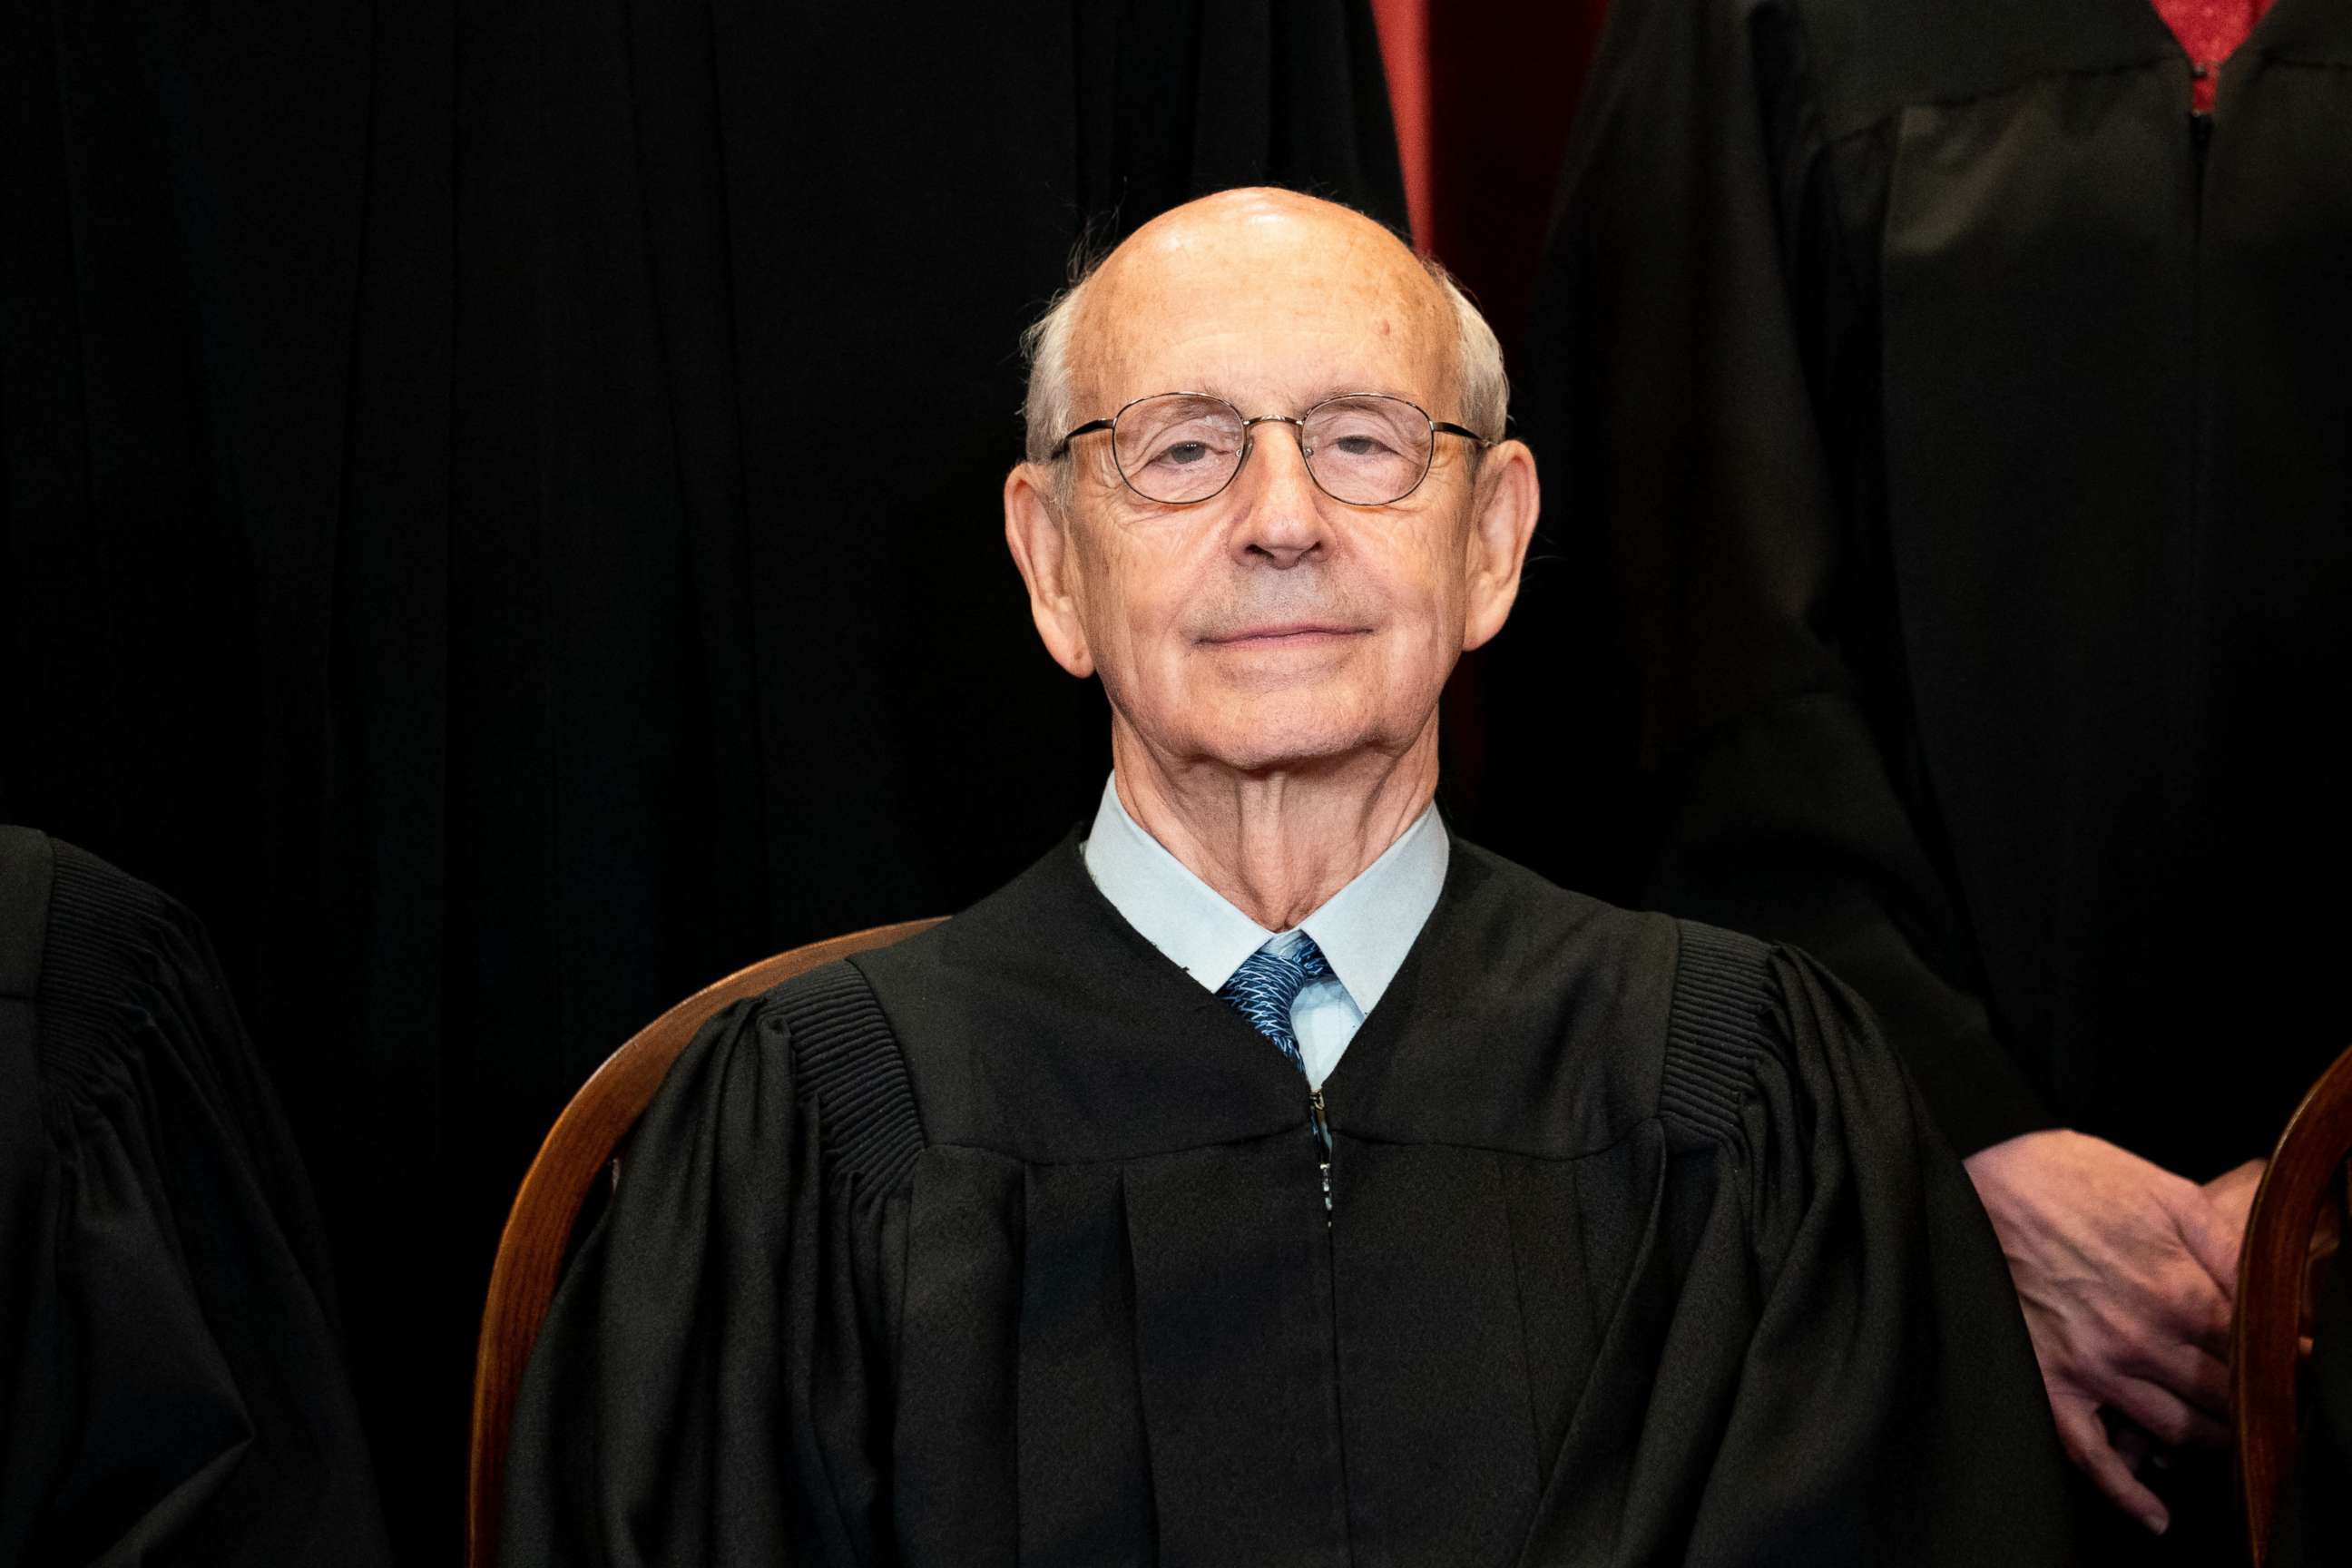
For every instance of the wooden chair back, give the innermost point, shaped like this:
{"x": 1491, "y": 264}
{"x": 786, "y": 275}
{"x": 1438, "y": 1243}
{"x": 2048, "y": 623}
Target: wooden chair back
{"x": 2272, "y": 1268}
{"x": 578, "y": 1151}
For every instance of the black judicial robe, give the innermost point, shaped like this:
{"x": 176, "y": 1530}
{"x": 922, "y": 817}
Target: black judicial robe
{"x": 1008, "y": 1245}
{"x": 2312, "y": 1525}
{"x": 1954, "y": 430}
{"x": 173, "y": 1388}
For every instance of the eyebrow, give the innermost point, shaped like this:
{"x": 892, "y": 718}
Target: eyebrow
{"x": 1327, "y": 392}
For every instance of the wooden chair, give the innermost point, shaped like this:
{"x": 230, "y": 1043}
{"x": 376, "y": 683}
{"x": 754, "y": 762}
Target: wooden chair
{"x": 577, "y": 1153}
{"x": 2272, "y": 1268}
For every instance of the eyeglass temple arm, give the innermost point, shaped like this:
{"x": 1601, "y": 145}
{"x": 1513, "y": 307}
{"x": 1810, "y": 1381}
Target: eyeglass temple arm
{"x": 1451, "y": 429}
{"x": 1061, "y": 447}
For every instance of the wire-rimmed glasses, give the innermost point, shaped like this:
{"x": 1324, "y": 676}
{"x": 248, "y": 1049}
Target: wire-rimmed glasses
{"x": 1365, "y": 448}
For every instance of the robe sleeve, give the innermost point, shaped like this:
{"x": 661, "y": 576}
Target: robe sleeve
{"x": 1694, "y": 327}
{"x": 711, "y": 1385}
{"x": 172, "y": 1381}
{"x": 1887, "y": 1407}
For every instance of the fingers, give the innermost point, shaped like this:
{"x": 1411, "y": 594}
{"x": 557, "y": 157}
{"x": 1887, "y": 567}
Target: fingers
{"x": 2165, "y": 1415}
{"x": 2132, "y": 1445}
{"x": 2180, "y": 1348}
{"x": 2085, "y": 1439}
{"x": 2190, "y": 1374}
{"x": 2234, "y": 1188}
{"x": 2194, "y": 1303}
{"x": 2185, "y": 1309}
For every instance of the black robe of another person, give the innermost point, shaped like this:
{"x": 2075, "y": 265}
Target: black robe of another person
{"x": 2312, "y": 1522}
{"x": 172, "y": 1387}
{"x": 1953, "y": 435}
{"x": 1008, "y": 1244}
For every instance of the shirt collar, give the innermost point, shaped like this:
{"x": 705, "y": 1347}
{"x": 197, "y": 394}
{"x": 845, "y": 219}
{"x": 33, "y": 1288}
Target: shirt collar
{"x": 1364, "y": 930}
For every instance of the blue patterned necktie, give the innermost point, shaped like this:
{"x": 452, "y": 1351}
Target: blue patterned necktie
{"x": 1267, "y": 983}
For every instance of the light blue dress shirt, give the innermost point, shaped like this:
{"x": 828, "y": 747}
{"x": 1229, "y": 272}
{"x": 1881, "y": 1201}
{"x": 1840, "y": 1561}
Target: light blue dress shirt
{"x": 1364, "y": 930}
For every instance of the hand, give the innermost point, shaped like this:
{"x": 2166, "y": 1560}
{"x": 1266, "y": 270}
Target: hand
{"x": 2126, "y": 1273}
{"x": 2231, "y": 1194}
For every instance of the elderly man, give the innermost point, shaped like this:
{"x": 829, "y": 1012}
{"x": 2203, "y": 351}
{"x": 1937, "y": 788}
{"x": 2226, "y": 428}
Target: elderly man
{"x": 1266, "y": 1176}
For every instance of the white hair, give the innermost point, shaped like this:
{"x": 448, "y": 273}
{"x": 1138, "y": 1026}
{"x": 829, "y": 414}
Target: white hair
{"x": 1049, "y": 410}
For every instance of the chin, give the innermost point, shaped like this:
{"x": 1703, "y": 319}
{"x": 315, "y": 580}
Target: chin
{"x": 1282, "y": 747}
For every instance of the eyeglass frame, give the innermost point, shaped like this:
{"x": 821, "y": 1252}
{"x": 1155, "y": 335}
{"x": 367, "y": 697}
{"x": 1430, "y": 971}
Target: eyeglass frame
{"x": 1249, "y": 442}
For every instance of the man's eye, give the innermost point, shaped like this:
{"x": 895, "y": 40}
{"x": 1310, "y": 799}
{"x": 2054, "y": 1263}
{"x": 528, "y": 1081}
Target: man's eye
{"x": 1360, "y": 446}
{"x": 1185, "y": 453}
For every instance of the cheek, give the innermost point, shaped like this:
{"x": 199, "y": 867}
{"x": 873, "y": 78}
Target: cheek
{"x": 1428, "y": 595}
{"x": 1133, "y": 601}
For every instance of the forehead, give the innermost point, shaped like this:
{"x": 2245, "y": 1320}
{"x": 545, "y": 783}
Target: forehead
{"x": 1270, "y": 305}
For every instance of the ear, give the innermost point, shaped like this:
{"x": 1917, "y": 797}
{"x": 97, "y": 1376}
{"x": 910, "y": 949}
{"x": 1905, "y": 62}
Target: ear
{"x": 1502, "y": 521}
{"x": 1040, "y": 549}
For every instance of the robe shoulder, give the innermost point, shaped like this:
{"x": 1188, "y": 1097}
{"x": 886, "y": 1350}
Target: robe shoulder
{"x": 1528, "y": 1018}
{"x": 1857, "y": 62}
{"x": 706, "y": 1374}
{"x": 160, "y": 1250}
{"x": 1862, "y": 60}
{"x": 847, "y": 1069}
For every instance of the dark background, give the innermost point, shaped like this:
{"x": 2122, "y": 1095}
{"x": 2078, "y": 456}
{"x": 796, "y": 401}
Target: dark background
{"x": 500, "y": 503}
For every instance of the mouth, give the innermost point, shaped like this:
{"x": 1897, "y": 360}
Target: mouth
{"x": 1285, "y": 634}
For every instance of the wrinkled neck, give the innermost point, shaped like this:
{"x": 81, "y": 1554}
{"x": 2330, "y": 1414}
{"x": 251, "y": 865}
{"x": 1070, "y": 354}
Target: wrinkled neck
{"x": 1278, "y": 843}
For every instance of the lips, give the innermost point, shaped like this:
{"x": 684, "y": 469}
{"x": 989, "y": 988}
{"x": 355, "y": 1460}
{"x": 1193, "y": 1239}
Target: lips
{"x": 1285, "y": 634}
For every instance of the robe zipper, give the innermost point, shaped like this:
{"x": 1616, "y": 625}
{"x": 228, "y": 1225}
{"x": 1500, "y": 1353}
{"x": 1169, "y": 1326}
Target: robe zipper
{"x": 1323, "y": 1147}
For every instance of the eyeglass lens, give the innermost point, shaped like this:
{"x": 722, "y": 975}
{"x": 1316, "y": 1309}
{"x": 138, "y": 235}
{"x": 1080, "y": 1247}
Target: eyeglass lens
{"x": 1366, "y": 451}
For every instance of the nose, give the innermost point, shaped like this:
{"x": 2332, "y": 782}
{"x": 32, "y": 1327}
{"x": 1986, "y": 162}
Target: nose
{"x": 1281, "y": 521}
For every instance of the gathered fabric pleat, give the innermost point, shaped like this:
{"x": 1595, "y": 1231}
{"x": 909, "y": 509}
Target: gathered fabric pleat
{"x": 172, "y": 1384}
{"x": 1085, "y": 1453}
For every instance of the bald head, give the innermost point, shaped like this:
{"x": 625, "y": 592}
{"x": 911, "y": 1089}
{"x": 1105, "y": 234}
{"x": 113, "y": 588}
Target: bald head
{"x": 1271, "y": 249}
{"x": 1269, "y": 626}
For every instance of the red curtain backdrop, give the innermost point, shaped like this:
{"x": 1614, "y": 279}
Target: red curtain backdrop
{"x": 1483, "y": 95}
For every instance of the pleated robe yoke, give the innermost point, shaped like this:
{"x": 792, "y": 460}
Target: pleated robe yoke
{"x": 1639, "y": 1250}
